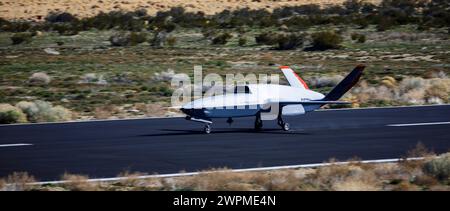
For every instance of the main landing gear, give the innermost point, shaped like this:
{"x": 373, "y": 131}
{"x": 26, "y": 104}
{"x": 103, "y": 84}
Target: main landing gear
{"x": 282, "y": 124}
{"x": 258, "y": 122}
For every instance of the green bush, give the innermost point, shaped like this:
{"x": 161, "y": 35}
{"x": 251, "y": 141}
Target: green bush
{"x": 21, "y": 37}
{"x": 242, "y": 41}
{"x": 439, "y": 167}
{"x": 326, "y": 40}
{"x": 221, "y": 39}
{"x": 10, "y": 114}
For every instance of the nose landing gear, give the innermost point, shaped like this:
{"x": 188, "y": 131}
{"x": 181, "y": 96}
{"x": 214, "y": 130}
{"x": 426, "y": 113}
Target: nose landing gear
{"x": 258, "y": 122}
{"x": 207, "y": 129}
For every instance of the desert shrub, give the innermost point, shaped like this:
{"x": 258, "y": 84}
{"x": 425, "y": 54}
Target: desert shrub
{"x": 55, "y": 17}
{"x": 266, "y": 38}
{"x": 164, "y": 75}
{"x": 79, "y": 183}
{"x": 325, "y": 81}
{"x": 66, "y": 29}
{"x": 242, "y": 41}
{"x": 353, "y": 6}
{"x": 106, "y": 111}
{"x": 127, "y": 21}
{"x": 439, "y": 167}
{"x": 39, "y": 78}
{"x": 10, "y": 114}
{"x": 159, "y": 39}
{"x": 42, "y": 111}
{"x": 128, "y": 38}
{"x": 21, "y": 37}
{"x": 221, "y": 39}
{"x": 289, "y": 41}
{"x": 171, "y": 41}
{"x": 137, "y": 37}
{"x": 93, "y": 78}
{"x": 360, "y": 38}
{"x": 326, "y": 40}
{"x": 438, "y": 90}
{"x": 19, "y": 181}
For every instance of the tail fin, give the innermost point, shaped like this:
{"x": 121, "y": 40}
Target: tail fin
{"x": 345, "y": 84}
{"x": 292, "y": 77}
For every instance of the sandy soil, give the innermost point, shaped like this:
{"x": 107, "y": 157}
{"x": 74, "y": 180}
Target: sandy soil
{"x": 38, "y": 9}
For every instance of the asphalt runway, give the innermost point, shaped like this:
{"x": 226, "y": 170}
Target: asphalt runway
{"x": 106, "y": 148}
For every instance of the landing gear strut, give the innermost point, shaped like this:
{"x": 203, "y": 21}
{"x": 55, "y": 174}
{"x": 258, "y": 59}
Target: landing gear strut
{"x": 258, "y": 122}
{"x": 284, "y": 125}
{"x": 230, "y": 121}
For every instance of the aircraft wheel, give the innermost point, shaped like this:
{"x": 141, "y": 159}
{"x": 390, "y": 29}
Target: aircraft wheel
{"x": 207, "y": 129}
{"x": 286, "y": 126}
{"x": 258, "y": 125}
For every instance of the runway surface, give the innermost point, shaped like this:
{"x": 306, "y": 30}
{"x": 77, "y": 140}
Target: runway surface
{"x": 106, "y": 148}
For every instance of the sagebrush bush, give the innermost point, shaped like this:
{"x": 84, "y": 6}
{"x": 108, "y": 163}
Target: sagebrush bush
{"x": 128, "y": 38}
{"x": 19, "y": 181}
{"x": 93, "y": 78}
{"x": 10, "y": 114}
{"x": 171, "y": 41}
{"x": 21, "y": 37}
{"x": 58, "y": 17}
{"x": 137, "y": 37}
{"x": 439, "y": 167}
{"x": 66, "y": 29}
{"x": 326, "y": 40}
{"x": 39, "y": 78}
{"x": 360, "y": 38}
{"x": 266, "y": 38}
{"x": 221, "y": 39}
{"x": 42, "y": 111}
{"x": 242, "y": 41}
{"x": 289, "y": 41}
{"x": 79, "y": 183}
{"x": 325, "y": 81}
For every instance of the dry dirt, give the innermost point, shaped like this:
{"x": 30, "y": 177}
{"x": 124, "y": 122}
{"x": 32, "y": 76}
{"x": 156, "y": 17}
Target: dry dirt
{"x": 38, "y": 9}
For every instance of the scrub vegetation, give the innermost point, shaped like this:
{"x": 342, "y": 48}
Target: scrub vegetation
{"x": 118, "y": 64}
{"x": 429, "y": 174}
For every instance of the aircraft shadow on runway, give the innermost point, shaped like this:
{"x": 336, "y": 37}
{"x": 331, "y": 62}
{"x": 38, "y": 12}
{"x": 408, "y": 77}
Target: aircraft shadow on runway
{"x": 178, "y": 132}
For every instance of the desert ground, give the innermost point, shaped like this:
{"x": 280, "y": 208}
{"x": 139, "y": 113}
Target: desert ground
{"x": 38, "y": 9}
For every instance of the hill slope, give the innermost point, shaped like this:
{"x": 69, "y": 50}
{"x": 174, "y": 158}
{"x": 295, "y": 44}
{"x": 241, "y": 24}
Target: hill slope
{"x": 37, "y": 9}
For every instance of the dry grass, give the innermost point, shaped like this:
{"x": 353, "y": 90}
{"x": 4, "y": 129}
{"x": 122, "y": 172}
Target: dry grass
{"x": 410, "y": 90}
{"x": 79, "y": 183}
{"x": 106, "y": 111}
{"x": 18, "y": 181}
{"x": 407, "y": 175}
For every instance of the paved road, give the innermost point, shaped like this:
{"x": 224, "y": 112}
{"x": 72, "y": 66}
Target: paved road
{"x": 106, "y": 148}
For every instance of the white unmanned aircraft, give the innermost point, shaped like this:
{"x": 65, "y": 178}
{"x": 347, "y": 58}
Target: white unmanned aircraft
{"x": 268, "y": 101}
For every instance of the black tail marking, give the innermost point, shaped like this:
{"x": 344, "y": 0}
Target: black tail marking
{"x": 345, "y": 84}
